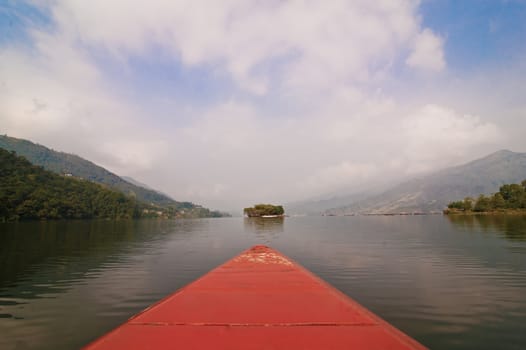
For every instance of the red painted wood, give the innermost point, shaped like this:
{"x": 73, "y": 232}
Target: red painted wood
{"x": 258, "y": 300}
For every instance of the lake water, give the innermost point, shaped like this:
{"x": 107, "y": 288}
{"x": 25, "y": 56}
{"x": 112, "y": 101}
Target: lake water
{"x": 451, "y": 283}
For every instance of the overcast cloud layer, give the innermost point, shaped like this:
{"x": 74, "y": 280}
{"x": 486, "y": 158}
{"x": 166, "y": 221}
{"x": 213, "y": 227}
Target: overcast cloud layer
{"x": 228, "y": 103}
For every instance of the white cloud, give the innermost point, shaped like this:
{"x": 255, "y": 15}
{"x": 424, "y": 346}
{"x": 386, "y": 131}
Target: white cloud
{"x": 318, "y": 44}
{"x": 353, "y": 142}
{"x": 326, "y": 62}
{"x": 337, "y": 177}
{"x": 57, "y": 97}
{"x": 436, "y": 136}
{"x": 428, "y": 52}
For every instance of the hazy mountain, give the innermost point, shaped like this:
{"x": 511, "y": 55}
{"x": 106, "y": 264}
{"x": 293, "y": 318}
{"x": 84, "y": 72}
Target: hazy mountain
{"x": 318, "y": 206}
{"x": 434, "y": 191}
{"x": 135, "y": 182}
{"x": 70, "y": 164}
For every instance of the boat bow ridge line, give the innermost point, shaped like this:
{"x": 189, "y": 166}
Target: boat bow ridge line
{"x": 287, "y": 324}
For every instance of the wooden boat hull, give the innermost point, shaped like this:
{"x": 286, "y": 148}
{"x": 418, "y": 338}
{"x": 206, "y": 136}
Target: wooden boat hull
{"x": 258, "y": 300}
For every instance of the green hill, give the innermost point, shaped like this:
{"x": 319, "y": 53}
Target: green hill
{"x": 64, "y": 163}
{"x": 28, "y": 192}
{"x": 71, "y": 165}
{"x": 433, "y": 192}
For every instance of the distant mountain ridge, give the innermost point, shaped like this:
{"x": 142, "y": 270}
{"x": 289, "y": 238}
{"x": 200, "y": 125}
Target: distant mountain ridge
{"x": 70, "y": 164}
{"x": 433, "y": 192}
{"x": 318, "y": 206}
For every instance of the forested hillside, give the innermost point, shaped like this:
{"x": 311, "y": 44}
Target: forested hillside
{"x": 153, "y": 203}
{"x": 65, "y": 163}
{"x": 30, "y": 192}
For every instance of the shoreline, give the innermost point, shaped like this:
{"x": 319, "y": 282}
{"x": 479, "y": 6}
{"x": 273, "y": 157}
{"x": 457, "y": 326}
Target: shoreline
{"x": 514, "y": 212}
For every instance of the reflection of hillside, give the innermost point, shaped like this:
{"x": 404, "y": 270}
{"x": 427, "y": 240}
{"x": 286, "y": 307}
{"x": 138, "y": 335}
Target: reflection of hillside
{"x": 512, "y": 227}
{"x": 29, "y": 248}
{"x": 264, "y": 225}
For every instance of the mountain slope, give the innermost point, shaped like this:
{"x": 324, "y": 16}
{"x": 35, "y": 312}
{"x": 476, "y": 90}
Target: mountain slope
{"x": 28, "y": 192}
{"x": 433, "y": 192}
{"x": 135, "y": 182}
{"x": 318, "y": 206}
{"x": 64, "y": 163}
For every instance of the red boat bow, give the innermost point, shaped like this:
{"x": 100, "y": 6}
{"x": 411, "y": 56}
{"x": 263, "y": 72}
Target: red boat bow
{"x": 258, "y": 300}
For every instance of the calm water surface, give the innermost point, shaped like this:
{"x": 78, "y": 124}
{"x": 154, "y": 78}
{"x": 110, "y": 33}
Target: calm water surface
{"x": 451, "y": 283}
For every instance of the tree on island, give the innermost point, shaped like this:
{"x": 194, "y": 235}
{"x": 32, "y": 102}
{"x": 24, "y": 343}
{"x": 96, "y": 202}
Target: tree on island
{"x": 259, "y": 210}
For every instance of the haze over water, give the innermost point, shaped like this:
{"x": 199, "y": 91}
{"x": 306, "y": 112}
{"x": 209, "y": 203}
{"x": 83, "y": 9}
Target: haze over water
{"x": 451, "y": 283}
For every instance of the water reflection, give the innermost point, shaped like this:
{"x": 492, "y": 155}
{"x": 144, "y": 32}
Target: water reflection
{"x": 512, "y": 227}
{"x": 26, "y": 245}
{"x": 450, "y": 282}
{"x": 57, "y": 278}
{"x": 270, "y": 226}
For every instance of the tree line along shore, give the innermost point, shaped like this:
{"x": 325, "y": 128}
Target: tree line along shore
{"x": 511, "y": 199}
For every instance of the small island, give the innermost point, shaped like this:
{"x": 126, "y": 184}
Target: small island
{"x": 264, "y": 211}
{"x": 511, "y": 199}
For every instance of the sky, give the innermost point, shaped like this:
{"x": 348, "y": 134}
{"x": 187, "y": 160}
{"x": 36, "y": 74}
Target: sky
{"x": 230, "y": 103}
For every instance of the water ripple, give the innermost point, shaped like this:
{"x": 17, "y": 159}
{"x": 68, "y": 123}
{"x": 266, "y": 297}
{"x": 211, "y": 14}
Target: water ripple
{"x": 450, "y": 286}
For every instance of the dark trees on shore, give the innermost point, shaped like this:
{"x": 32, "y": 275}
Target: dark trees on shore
{"x": 509, "y": 197}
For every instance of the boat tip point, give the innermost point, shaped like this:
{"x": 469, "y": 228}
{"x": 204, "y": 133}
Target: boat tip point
{"x": 260, "y": 247}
